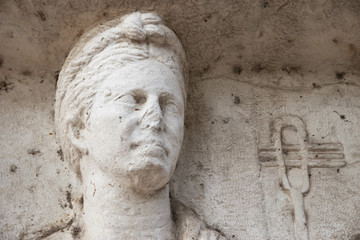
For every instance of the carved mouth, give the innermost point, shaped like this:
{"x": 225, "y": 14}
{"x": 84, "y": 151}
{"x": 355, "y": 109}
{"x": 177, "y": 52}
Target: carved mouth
{"x": 153, "y": 149}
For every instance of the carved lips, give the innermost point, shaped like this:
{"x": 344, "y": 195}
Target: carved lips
{"x": 155, "y": 151}
{"x": 152, "y": 149}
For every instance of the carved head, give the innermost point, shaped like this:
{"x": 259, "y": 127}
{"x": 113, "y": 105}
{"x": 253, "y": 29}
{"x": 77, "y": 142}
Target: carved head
{"x": 120, "y": 101}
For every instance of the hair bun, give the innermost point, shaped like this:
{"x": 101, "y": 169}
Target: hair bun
{"x": 155, "y": 33}
{"x": 132, "y": 27}
{"x": 150, "y": 18}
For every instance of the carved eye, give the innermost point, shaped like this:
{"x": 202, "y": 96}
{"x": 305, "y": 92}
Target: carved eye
{"x": 139, "y": 99}
{"x": 128, "y": 99}
{"x": 168, "y": 106}
{"x": 133, "y": 100}
{"x": 171, "y": 108}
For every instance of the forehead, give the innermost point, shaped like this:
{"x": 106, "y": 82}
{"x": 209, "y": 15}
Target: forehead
{"x": 145, "y": 74}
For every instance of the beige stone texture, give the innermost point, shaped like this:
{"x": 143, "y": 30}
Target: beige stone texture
{"x": 250, "y": 62}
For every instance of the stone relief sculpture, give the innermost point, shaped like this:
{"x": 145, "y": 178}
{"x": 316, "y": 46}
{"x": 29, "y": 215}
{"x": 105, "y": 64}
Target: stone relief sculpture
{"x": 303, "y": 155}
{"x": 119, "y": 118}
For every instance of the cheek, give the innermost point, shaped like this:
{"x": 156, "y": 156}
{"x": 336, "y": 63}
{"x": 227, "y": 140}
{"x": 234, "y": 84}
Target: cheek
{"x": 110, "y": 130}
{"x": 175, "y": 129}
{"x": 113, "y": 118}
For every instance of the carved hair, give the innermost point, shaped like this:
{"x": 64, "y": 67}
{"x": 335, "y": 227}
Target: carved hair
{"x": 110, "y": 46}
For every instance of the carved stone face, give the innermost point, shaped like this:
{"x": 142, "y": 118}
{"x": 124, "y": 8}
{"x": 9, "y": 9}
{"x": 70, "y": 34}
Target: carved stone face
{"x": 135, "y": 130}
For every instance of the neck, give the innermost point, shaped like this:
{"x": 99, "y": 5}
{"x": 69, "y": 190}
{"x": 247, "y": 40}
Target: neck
{"x": 112, "y": 211}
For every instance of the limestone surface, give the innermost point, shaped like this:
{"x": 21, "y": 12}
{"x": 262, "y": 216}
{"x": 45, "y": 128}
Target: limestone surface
{"x": 250, "y": 64}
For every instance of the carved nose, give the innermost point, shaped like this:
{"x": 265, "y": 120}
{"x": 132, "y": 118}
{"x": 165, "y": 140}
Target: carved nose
{"x": 153, "y": 117}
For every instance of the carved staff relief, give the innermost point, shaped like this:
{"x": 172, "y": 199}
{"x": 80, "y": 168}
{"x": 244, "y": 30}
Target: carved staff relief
{"x": 303, "y": 155}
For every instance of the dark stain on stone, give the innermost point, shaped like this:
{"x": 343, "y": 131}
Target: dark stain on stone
{"x": 75, "y": 231}
{"x": 355, "y": 237}
{"x": 266, "y": 4}
{"x": 60, "y": 154}
{"x": 32, "y": 188}
{"x": 352, "y": 49}
{"x": 236, "y": 100}
{"x": 291, "y": 69}
{"x": 335, "y": 41}
{"x": 21, "y": 235}
{"x": 206, "y": 68}
{"x": 1, "y": 61}
{"x": 226, "y": 120}
{"x": 10, "y": 34}
{"x": 199, "y": 166}
{"x": 26, "y": 73}
{"x": 56, "y": 77}
{"x": 207, "y": 18}
{"x": 41, "y": 15}
{"x": 34, "y": 152}
{"x": 13, "y": 168}
{"x": 68, "y": 199}
{"x": 6, "y": 86}
{"x": 340, "y": 75}
{"x": 257, "y": 68}
{"x": 50, "y": 231}
{"x": 342, "y": 117}
{"x": 237, "y": 69}
{"x": 316, "y": 86}
{"x": 105, "y": 14}
{"x": 80, "y": 33}
{"x": 282, "y": 6}
{"x": 81, "y": 202}
{"x": 54, "y": 229}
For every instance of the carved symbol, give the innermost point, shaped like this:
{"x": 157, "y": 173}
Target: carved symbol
{"x": 303, "y": 155}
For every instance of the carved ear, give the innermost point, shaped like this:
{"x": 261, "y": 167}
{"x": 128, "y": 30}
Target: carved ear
{"x": 75, "y": 133}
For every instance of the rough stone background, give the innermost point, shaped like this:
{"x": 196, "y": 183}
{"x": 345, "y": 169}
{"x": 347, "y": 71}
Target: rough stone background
{"x": 250, "y": 62}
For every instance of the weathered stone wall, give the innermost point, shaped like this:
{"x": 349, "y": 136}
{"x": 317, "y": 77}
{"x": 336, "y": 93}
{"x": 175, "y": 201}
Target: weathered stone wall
{"x": 250, "y": 62}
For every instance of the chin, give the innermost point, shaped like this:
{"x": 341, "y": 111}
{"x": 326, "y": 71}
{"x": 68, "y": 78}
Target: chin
{"x": 149, "y": 176}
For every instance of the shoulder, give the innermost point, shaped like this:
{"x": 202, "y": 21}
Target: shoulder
{"x": 189, "y": 226}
